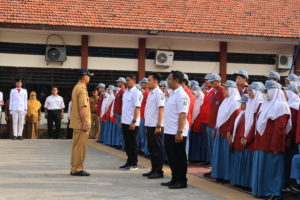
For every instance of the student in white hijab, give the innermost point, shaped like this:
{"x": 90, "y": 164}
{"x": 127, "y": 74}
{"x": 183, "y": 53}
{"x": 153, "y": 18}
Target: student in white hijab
{"x": 292, "y": 95}
{"x": 236, "y": 155}
{"x": 255, "y": 91}
{"x": 228, "y": 111}
{"x": 273, "y": 124}
{"x": 109, "y": 97}
{"x": 198, "y": 141}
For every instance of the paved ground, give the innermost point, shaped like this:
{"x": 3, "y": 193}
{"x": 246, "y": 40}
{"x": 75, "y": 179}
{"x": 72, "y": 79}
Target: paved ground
{"x": 39, "y": 169}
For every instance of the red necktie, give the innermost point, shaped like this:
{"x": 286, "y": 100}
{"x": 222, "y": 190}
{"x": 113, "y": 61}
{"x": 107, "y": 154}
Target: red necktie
{"x": 19, "y": 90}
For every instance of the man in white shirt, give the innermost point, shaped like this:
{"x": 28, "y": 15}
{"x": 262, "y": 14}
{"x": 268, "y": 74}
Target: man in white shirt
{"x": 154, "y": 112}
{"x": 176, "y": 130}
{"x": 130, "y": 119}
{"x": 18, "y": 108}
{"x": 54, "y": 112}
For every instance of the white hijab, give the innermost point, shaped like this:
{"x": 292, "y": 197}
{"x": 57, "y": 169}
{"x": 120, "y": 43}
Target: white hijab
{"x": 293, "y": 99}
{"x": 112, "y": 109}
{"x": 236, "y": 123}
{"x": 109, "y": 97}
{"x": 228, "y": 106}
{"x": 251, "y": 108}
{"x": 275, "y": 107}
{"x": 199, "y": 98}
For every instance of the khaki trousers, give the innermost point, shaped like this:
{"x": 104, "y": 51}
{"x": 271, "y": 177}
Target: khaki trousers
{"x": 95, "y": 127}
{"x": 79, "y": 149}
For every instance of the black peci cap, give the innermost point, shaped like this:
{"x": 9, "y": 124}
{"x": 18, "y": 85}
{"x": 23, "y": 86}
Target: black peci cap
{"x": 82, "y": 72}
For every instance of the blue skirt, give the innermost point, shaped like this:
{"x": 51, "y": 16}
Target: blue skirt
{"x": 119, "y": 133}
{"x": 288, "y": 155}
{"x": 106, "y": 136}
{"x": 113, "y": 134}
{"x": 267, "y": 174}
{"x": 237, "y": 166}
{"x": 221, "y": 158}
{"x": 102, "y": 129}
{"x": 210, "y": 143}
{"x": 295, "y": 171}
{"x": 199, "y": 146}
{"x": 142, "y": 138}
{"x": 247, "y": 169}
{"x": 187, "y": 146}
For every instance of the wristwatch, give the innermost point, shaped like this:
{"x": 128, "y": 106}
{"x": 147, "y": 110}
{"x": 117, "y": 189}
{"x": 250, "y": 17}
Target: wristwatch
{"x": 158, "y": 126}
{"x": 179, "y": 132}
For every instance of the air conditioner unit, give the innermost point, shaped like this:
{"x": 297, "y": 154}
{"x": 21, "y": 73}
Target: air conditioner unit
{"x": 164, "y": 58}
{"x": 56, "y": 54}
{"x": 284, "y": 61}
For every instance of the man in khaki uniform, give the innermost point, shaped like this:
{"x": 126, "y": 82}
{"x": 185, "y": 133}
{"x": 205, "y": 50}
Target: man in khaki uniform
{"x": 80, "y": 122}
{"x": 95, "y": 125}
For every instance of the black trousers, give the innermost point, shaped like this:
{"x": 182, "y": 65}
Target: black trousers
{"x": 177, "y": 158}
{"x": 54, "y": 116}
{"x": 155, "y": 148}
{"x": 130, "y": 144}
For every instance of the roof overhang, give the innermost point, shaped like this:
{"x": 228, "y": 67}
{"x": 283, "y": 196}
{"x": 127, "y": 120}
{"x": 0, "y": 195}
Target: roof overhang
{"x": 146, "y": 33}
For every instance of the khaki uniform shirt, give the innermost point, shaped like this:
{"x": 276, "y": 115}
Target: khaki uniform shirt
{"x": 80, "y": 99}
{"x": 94, "y": 104}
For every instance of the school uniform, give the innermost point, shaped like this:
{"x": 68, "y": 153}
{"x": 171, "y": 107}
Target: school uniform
{"x": 178, "y": 102}
{"x": 98, "y": 112}
{"x": 132, "y": 99}
{"x": 155, "y": 101}
{"x": 105, "y": 134}
{"x": 237, "y": 153}
{"x": 200, "y": 127}
{"x": 217, "y": 98}
{"x": 198, "y": 141}
{"x": 110, "y": 120}
{"x": 228, "y": 111}
{"x": 251, "y": 112}
{"x": 291, "y": 147}
{"x": 272, "y": 126}
{"x": 142, "y": 136}
{"x": 117, "y": 112}
{"x": 18, "y": 109}
{"x": 249, "y": 151}
{"x": 190, "y": 115}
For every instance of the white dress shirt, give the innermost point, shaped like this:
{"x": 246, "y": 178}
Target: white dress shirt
{"x": 132, "y": 98}
{"x": 18, "y": 100}
{"x": 54, "y": 103}
{"x": 177, "y": 103}
{"x": 156, "y": 99}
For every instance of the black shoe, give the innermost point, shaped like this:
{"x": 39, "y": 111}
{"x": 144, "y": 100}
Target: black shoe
{"x": 20, "y": 138}
{"x": 81, "y": 173}
{"x": 156, "y": 175}
{"x": 148, "y": 174}
{"x": 168, "y": 183}
{"x": 14, "y": 138}
{"x": 178, "y": 186}
{"x": 207, "y": 175}
{"x": 123, "y": 167}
